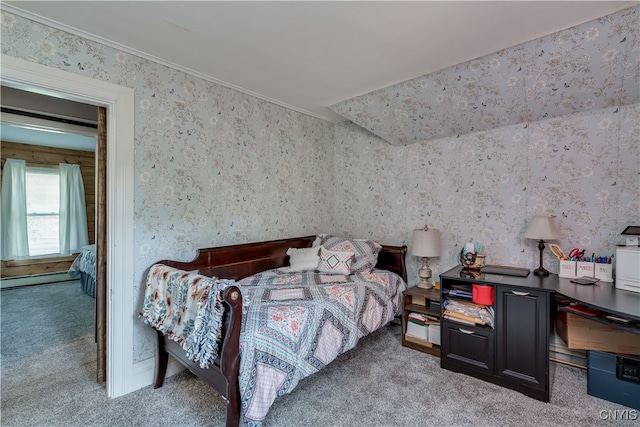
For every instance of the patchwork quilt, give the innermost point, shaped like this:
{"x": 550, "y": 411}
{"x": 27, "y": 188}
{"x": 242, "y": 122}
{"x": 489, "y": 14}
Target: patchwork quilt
{"x": 84, "y": 266}
{"x": 295, "y": 323}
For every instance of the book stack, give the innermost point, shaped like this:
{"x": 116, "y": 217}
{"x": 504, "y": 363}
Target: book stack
{"x": 417, "y": 326}
{"x": 460, "y": 293}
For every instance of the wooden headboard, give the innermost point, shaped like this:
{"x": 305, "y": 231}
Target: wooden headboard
{"x": 239, "y": 261}
{"x": 393, "y": 258}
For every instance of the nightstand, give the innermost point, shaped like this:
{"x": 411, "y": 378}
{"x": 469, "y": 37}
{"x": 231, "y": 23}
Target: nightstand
{"x": 425, "y": 302}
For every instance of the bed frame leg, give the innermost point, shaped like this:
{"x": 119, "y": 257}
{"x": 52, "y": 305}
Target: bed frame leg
{"x": 233, "y": 407}
{"x": 161, "y": 363}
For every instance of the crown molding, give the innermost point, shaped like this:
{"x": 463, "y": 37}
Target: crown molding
{"x": 80, "y": 33}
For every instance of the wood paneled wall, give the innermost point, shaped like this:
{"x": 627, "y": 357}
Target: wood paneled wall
{"x": 36, "y": 155}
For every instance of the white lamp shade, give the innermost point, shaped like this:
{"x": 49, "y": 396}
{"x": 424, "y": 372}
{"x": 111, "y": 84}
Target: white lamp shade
{"x": 426, "y": 243}
{"x": 542, "y": 228}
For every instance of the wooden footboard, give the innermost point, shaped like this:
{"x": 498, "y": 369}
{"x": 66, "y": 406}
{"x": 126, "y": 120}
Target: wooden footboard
{"x": 222, "y": 375}
{"x": 237, "y": 262}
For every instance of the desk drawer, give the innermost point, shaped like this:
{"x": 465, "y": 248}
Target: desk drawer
{"x": 467, "y": 346}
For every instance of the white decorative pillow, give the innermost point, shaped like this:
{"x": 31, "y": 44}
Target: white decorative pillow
{"x": 303, "y": 259}
{"x": 334, "y": 262}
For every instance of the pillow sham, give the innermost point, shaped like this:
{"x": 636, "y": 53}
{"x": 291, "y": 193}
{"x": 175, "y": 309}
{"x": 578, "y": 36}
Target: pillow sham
{"x": 303, "y": 259}
{"x": 334, "y": 262}
{"x": 365, "y": 251}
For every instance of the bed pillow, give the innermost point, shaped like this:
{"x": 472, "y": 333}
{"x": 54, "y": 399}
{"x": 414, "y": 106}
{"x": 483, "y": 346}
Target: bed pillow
{"x": 365, "y": 251}
{"x": 303, "y": 259}
{"x": 334, "y": 262}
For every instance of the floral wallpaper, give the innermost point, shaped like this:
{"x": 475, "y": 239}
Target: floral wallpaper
{"x": 584, "y": 68}
{"x": 546, "y": 127}
{"x": 583, "y": 169}
{"x": 214, "y": 166}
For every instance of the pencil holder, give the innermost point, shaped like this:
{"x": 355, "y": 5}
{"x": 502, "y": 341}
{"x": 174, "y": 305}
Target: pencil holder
{"x": 567, "y": 269}
{"x": 585, "y": 269}
{"x": 603, "y": 272}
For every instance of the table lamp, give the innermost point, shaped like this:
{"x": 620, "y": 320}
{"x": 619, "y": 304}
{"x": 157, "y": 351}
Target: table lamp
{"x": 426, "y": 244}
{"x": 541, "y": 228}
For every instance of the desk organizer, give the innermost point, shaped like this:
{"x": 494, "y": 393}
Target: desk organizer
{"x": 567, "y": 269}
{"x": 604, "y": 272}
{"x": 585, "y": 269}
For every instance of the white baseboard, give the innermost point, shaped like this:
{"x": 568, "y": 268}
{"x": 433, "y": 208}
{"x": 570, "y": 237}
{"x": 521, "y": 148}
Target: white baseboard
{"x": 144, "y": 372}
{"x": 10, "y": 282}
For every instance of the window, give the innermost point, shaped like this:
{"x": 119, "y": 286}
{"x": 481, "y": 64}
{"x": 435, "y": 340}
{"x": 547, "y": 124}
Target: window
{"x": 43, "y": 210}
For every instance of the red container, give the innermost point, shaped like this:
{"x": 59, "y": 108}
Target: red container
{"x": 482, "y": 294}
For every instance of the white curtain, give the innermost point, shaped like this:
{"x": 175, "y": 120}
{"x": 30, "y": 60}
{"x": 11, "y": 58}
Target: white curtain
{"x": 73, "y": 210}
{"x": 15, "y": 243}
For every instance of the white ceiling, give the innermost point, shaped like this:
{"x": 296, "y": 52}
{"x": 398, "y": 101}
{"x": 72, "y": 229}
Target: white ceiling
{"x": 24, "y": 119}
{"x": 47, "y": 137}
{"x": 309, "y": 55}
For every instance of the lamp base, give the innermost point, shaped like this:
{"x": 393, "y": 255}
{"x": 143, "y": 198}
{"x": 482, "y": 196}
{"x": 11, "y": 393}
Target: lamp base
{"x": 540, "y": 272}
{"x": 424, "y": 284}
{"x": 424, "y": 272}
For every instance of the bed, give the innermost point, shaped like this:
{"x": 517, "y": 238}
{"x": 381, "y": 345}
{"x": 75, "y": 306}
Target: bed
{"x": 274, "y": 330}
{"x": 84, "y": 267}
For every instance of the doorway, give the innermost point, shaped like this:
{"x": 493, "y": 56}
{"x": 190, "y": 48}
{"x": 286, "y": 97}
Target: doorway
{"x": 118, "y": 102}
{"x": 44, "y": 131}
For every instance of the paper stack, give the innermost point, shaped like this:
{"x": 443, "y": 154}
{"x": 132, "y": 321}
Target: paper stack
{"x": 468, "y": 313}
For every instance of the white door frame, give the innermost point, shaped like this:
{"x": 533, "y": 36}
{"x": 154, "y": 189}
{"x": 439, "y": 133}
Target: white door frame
{"x": 119, "y": 102}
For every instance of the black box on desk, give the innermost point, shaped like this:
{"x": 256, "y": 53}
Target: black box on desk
{"x": 614, "y": 378}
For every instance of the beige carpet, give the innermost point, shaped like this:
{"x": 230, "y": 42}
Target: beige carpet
{"x": 379, "y": 383}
